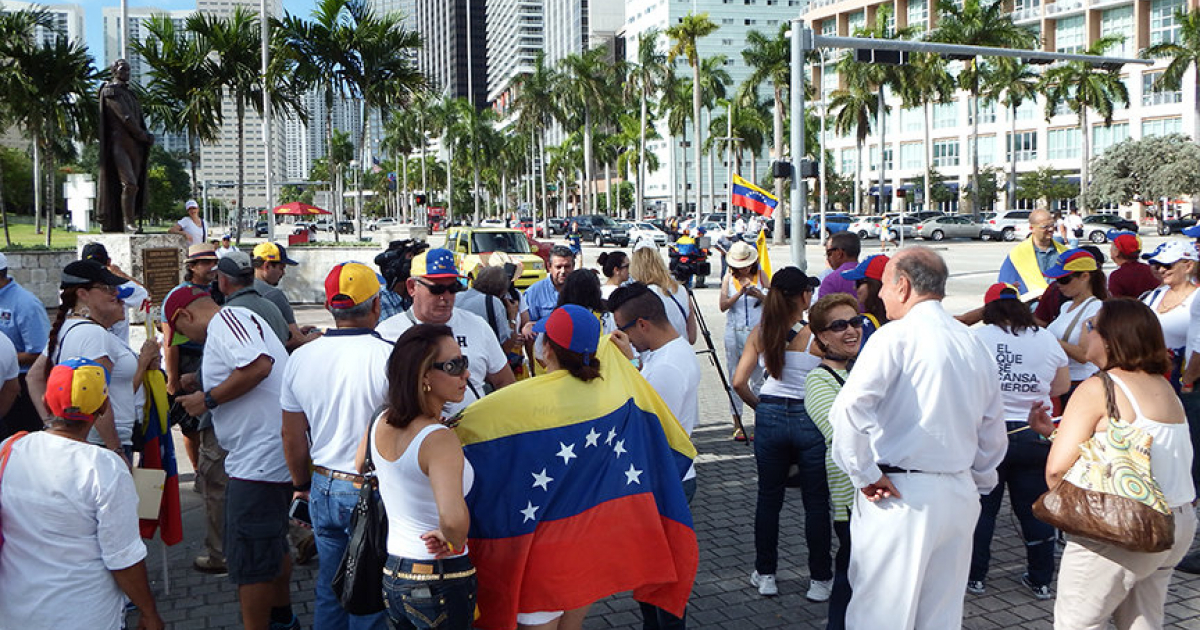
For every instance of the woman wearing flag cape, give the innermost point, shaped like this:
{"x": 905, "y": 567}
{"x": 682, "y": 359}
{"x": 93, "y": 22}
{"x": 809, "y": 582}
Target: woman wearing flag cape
{"x": 578, "y": 493}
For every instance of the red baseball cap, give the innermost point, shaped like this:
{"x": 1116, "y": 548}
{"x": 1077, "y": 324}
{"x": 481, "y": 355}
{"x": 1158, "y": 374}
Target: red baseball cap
{"x": 1001, "y": 291}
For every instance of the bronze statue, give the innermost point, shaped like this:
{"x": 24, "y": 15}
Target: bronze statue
{"x": 124, "y": 154}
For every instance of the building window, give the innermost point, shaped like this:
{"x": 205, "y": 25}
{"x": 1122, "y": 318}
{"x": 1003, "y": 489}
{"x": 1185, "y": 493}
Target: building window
{"x": 1028, "y": 109}
{"x": 918, "y": 14}
{"x": 987, "y": 149}
{"x": 856, "y": 21}
{"x": 829, "y": 27}
{"x": 749, "y": 22}
{"x": 945, "y": 115}
{"x": 1063, "y": 144}
{"x": 987, "y": 112}
{"x": 1119, "y": 22}
{"x": 1026, "y": 142}
{"x": 1163, "y": 26}
{"x": 1104, "y": 137}
{"x": 1162, "y": 126}
{"x": 912, "y": 119}
{"x": 888, "y": 162}
{"x": 1068, "y": 35}
{"x": 849, "y": 161}
{"x": 829, "y": 80}
{"x": 912, "y": 156}
{"x": 1153, "y": 95}
{"x": 945, "y": 153}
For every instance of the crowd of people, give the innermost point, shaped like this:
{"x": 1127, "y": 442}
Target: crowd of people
{"x": 900, "y": 423}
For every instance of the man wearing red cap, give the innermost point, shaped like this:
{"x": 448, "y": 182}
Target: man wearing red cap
{"x": 242, "y": 372}
{"x": 331, "y": 388}
{"x": 1132, "y": 277}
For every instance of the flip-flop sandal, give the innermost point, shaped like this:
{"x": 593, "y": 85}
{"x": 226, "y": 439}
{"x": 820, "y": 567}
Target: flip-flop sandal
{"x": 739, "y": 436}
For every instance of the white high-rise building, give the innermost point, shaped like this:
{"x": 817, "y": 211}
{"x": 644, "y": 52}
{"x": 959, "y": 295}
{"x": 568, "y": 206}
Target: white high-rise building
{"x": 67, "y": 18}
{"x": 573, "y": 26}
{"x": 306, "y": 143}
{"x": 515, "y": 33}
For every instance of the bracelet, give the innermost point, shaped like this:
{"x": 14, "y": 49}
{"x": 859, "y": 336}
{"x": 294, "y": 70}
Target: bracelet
{"x": 304, "y": 487}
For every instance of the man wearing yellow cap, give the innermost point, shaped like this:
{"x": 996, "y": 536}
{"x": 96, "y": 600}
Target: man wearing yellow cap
{"x": 270, "y": 264}
{"x": 331, "y": 387}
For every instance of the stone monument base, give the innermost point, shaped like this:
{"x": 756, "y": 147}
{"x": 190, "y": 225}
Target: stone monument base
{"x": 154, "y": 260}
{"x": 386, "y": 235}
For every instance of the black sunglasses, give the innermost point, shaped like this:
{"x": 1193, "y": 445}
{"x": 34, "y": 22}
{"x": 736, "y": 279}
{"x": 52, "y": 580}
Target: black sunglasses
{"x": 829, "y": 250}
{"x": 629, "y": 324}
{"x": 840, "y": 325}
{"x": 1157, "y": 265}
{"x": 438, "y": 289}
{"x": 453, "y": 367}
{"x": 1067, "y": 279}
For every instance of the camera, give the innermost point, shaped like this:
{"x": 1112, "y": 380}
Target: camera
{"x": 395, "y": 263}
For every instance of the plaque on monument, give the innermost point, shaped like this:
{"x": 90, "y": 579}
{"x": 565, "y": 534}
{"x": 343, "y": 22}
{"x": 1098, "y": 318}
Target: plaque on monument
{"x": 160, "y": 271}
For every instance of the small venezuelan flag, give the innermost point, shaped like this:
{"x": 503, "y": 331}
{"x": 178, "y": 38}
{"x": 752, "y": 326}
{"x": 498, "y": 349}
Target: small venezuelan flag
{"x": 753, "y": 198}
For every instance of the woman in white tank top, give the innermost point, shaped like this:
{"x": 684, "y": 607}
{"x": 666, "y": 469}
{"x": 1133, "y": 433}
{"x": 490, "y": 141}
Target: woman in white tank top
{"x": 1098, "y": 581}
{"x": 742, "y": 292}
{"x": 423, "y": 478}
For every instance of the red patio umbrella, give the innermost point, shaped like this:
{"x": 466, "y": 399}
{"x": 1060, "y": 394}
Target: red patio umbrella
{"x": 298, "y": 208}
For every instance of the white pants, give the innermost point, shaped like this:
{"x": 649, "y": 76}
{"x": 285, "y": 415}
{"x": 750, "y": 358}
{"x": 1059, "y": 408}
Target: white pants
{"x": 911, "y": 555}
{"x": 733, "y": 354}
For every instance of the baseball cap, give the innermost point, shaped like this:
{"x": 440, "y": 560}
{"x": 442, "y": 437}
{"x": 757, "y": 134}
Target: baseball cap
{"x": 180, "y": 298}
{"x": 236, "y": 263}
{"x": 96, "y": 252}
{"x": 191, "y": 203}
{"x": 792, "y": 281}
{"x": 1171, "y": 252}
{"x": 1191, "y": 232}
{"x": 202, "y": 251}
{"x": 76, "y": 389}
{"x": 1001, "y": 291}
{"x": 435, "y": 263}
{"x": 350, "y": 284}
{"x": 572, "y": 327}
{"x": 1126, "y": 242}
{"x": 872, "y": 267}
{"x": 270, "y": 252}
{"x": 81, "y": 272}
{"x": 1071, "y": 261}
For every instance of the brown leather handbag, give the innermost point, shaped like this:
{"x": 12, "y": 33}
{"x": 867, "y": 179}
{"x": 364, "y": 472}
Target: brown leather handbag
{"x": 1109, "y": 494}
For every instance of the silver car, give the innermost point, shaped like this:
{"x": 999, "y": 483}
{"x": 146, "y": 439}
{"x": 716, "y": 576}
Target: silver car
{"x": 939, "y": 228}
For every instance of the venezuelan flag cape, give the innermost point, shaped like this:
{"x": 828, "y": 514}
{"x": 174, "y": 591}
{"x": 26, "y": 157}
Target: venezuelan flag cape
{"x": 753, "y": 198}
{"x": 159, "y": 454}
{"x": 578, "y": 494}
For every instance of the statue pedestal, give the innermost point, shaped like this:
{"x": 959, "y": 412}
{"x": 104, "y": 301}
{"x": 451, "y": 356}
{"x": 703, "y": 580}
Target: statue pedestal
{"x": 154, "y": 260}
{"x": 386, "y": 235}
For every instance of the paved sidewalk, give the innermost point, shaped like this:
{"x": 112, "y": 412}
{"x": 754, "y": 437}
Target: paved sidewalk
{"x": 724, "y": 517}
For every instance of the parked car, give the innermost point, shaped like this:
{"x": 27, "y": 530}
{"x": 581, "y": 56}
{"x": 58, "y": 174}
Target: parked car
{"x": 866, "y": 227}
{"x": 468, "y": 243}
{"x": 1003, "y": 226}
{"x": 646, "y": 231}
{"x": 834, "y": 223}
{"x": 559, "y": 225}
{"x": 601, "y": 229}
{"x": 324, "y": 225}
{"x": 383, "y": 222}
{"x": 1177, "y": 225}
{"x": 907, "y": 225}
{"x": 1096, "y": 226}
{"x": 939, "y": 228}
{"x": 345, "y": 227}
{"x": 261, "y": 228}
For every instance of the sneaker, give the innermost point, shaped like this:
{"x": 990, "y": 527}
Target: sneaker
{"x": 819, "y": 590}
{"x": 765, "y": 583}
{"x": 1040, "y": 592}
{"x": 207, "y": 564}
{"x": 976, "y": 587}
{"x": 294, "y": 624}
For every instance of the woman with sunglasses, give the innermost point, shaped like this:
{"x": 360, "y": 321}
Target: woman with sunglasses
{"x": 1084, "y": 288}
{"x": 423, "y": 479}
{"x": 742, "y": 291}
{"x": 1031, "y": 369}
{"x": 647, "y": 266}
{"x": 838, "y": 331}
{"x": 784, "y": 434}
{"x": 1176, "y": 263}
{"x": 87, "y": 310}
{"x": 615, "y": 266}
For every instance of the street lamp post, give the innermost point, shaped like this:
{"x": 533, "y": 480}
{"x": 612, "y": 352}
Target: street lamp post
{"x": 357, "y": 194}
{"x": 265, "y": 21}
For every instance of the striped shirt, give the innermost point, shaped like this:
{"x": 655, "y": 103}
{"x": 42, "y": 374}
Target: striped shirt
{"x": 821, "y": 388}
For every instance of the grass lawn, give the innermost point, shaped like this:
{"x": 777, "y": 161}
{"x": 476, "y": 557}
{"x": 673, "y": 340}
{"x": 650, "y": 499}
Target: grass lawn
{"x": 23, "y": 237}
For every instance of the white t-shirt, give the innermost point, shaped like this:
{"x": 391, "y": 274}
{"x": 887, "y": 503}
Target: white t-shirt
{"x": 195, "y": 233}
{"x": 9, "y": 368}
{"x": 677, "y": 307}
{"x": 673, "y": 373}
{"x": 1027, "y": 364}
{"x": 1059, "y": 326}
{"x": 248, "y": 426}
{"x": 1175, "y": 322}
{"x": 87, "y": 339}
{"x": 338, "y": 382}
{"x": 478, "y": 344}
{"x": 225, "y": 251}
{"x": 70, "y": 518}
{"x": 1193, "y": 331}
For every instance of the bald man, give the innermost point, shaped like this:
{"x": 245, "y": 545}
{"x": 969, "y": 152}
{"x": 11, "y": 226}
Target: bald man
{"x": 1027, "y": 261}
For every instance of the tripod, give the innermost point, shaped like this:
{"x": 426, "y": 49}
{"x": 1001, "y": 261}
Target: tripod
{"x": 711, "y": 351}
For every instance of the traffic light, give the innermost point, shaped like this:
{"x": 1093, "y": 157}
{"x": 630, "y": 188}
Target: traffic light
{"x": 809, "y": 168}
{"x": 419, "y": 198}
{"x": 781, "y": 169}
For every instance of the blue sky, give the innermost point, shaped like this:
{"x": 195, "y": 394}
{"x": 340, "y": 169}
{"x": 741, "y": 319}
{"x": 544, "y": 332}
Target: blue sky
{"x": 94, "y": 22}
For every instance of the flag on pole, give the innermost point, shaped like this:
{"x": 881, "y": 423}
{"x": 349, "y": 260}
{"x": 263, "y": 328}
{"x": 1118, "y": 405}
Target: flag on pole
{"x": 753, "y": 198}
{"x": 158, "y": 452}
{"x": 764, "y": 257}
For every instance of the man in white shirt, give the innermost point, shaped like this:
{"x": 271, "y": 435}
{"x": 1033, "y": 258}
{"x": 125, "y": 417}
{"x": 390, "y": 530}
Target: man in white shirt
{"x": 242, "y": 372}
{"x": 226, "y": 247}
{"x": 331, "y": 390}
{"x": 433, "y": 283}
{"x": 10, "y": 371}
{"x": 919, "y": 428}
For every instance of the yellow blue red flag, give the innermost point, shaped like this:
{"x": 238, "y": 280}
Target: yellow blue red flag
{"x": 764, "y": 256}
{"x": 753, "y": 198}
{"x": 578, "y": 494}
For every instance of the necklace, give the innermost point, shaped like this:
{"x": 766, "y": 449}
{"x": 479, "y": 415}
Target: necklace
{"x": 1179, "y": 299}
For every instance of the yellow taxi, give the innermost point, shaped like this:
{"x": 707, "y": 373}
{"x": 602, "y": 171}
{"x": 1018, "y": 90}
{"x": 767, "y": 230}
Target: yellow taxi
{"x": 469, "y": 244}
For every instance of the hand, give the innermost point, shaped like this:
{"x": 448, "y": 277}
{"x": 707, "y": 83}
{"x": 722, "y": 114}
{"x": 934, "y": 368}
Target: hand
{"x": 621, "y": 341}
{"x": 313, "y": 333}
{"x": 300, "y": 494}
{"x": 193, "y": 403}
{"x": 149, "y": 352}
{"x": 436, "y": 544}
{"x": 753, "y": 292}
{"x": 188, "y": 382}
{"x": 150, "y": 621}
{"x": 1039, "y": 419}
{"x": 527, "y": 333}
{"x": 173, "y": 386}
{"x": 882, "y": 489}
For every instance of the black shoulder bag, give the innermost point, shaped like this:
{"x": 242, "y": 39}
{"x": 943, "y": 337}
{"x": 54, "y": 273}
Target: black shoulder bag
{"x": 358, "y": 583}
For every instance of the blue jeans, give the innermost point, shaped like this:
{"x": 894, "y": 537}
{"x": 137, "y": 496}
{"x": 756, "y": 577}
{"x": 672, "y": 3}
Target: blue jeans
{"x": 1191, "y": 409}
{"x": 330, "y": 503}
{"x": 653, "y": 617}
{"x": 784, "y": 435}
{"x": 839, "y": 599}
{"x": 446, "y": 604}
{"x": 1024, "y": 471}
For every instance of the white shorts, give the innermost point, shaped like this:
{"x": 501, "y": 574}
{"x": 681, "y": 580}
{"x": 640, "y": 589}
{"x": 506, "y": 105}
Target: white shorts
{"x": 538, "y": 618}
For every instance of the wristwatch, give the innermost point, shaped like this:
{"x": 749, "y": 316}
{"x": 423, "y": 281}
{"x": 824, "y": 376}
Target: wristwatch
{"x": 209, "y": 401}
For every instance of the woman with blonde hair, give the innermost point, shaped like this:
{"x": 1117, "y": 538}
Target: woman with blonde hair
{"x": 647, "y": 267}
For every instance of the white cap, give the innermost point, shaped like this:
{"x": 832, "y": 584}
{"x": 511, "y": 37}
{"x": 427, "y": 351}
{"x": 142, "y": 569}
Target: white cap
{"x": 191, "y": 203}
{"x": 3, "y": 261}
{"x": 1170, "y": 252}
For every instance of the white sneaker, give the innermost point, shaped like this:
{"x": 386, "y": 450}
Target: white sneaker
{"x": 819, "y": 590}
{"x": 765, "y": 583}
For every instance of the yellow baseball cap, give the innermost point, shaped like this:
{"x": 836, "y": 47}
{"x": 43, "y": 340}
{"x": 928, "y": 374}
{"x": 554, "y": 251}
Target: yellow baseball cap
{"x": 350, "y": 284}
{"x": 270, "y": 252}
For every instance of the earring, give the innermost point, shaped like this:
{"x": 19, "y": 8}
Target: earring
{"x": 428, "y": 388}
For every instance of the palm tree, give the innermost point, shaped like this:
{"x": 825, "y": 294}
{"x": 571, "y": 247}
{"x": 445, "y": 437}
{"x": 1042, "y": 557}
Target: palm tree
{"x": 1014, "y": 83}
{"x": 853, "y": 108}
{"x": 586, "y": 87}
{"x": 685, "y": 35}
{"x": 745, "y": 122}
{"x": 927, "y": 82}
{"x": 1082, "y": 86}
{"x": 1183, "y": 53}
{"x": 977, "y": 23}
{"x": 181, "y": 95}
{"x": 536, "y": 107}
{"x": 714, "y": 80}
{"x": 771, "y": 59}
{"x": 472, "y": 132}
{"x": 16, "y": 37}
{"x": 402, "y": 136}
{"x": 631, "y": 137}
{"x": 676, "y": 107}
{"x": 645, "y": 77}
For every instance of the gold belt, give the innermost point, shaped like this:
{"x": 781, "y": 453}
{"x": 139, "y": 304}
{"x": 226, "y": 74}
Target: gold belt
{"x": 357, "y": 480}
{"x": 427, "y": 577}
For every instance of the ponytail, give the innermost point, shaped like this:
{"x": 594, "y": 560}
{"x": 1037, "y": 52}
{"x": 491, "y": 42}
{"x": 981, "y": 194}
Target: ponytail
{"x": 66, "y": 304}
{"x": 777, "y": 318}
{"x": 583, "y": 366}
